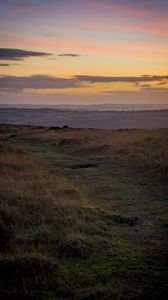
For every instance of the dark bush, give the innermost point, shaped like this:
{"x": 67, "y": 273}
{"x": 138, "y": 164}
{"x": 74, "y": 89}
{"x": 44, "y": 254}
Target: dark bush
{"x": 55, "y": 128}
{"x": 7, "y": 235}
{"x": 26, "y": 273}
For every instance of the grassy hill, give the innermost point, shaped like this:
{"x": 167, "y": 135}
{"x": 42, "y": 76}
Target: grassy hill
{"x": 83, "y": 213}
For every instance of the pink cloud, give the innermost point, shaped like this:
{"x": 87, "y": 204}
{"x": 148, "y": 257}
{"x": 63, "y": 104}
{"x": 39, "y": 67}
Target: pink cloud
{"x": 41, "y": 8}
{"x": 155, "y": 24}
{"x": 151, "y": 29}
{"x": 123, "y": 8}
{"x": 124, "y": 49}
{"x": 23, "y": 9}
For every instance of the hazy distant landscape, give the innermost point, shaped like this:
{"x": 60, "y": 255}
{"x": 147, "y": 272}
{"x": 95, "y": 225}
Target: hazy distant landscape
{"x": 80, "y": 117}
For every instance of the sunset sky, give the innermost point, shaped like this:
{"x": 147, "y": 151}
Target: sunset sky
{"x": 83, "y": 52}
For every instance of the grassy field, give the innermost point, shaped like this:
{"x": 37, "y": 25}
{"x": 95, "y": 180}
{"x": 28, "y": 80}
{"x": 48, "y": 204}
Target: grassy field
{"x": 83, "y": 214}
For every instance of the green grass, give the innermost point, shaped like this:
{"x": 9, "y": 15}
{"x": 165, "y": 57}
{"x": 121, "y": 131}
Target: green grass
{"x": 83, "y": 214}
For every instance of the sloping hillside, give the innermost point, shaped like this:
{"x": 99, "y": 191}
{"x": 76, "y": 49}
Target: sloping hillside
{"x": 83, "y": 213}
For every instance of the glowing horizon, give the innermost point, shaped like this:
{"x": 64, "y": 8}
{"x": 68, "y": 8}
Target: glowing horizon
{"x": 59, "y": 40}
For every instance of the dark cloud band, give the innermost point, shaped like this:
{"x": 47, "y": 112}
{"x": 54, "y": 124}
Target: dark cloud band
{"x": 69, "y": 55}
{"x": 18, "y": 54}
{"x": 50, "y": 82}
{"x": 5, "y": 65}
{"x": 99, "y": 79}
{"x": 37, "y": 82}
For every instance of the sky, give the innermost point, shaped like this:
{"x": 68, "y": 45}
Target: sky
{"x": 83, "y": 52}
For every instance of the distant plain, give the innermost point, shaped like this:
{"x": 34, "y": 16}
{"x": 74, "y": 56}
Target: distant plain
{"x": 106, "y": 119}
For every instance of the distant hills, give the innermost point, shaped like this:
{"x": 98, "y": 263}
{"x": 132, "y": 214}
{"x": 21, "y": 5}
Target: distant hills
{"x": 90, "y": 107}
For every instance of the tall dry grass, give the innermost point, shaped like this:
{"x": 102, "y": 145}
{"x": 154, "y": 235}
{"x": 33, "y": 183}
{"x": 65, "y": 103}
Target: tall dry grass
{"x": 34, "y": 207}
{"x": 146, "y": 148}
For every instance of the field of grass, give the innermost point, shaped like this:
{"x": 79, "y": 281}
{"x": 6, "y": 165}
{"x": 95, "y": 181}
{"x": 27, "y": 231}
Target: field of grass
{"x": 83, "y": 214}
